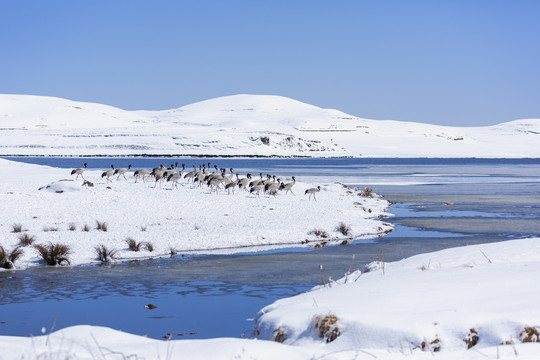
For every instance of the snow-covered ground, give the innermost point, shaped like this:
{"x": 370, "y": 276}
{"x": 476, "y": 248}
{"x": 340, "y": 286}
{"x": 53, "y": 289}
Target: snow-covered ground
{"x": 242, "y": 125}
{"x": 52, "y": 207}
{"x": 473, "y": 302}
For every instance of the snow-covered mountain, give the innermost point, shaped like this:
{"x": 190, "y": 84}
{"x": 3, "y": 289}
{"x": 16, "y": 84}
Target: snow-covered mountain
{"x": 242, "y": 125}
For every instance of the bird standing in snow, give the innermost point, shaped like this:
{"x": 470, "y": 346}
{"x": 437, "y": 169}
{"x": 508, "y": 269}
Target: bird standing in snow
{"x": 79, "y": 171}
{"x": 312, "y": 191}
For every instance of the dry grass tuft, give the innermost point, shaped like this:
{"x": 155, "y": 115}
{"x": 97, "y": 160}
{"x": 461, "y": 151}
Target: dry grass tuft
{"x": 327, "y": 327}
{"x": 72, "y": 227}
{"x": 17, "y": 228}
{"x": 86, "y": 228}
{"x": 133, "y": 245}
{"x": 7, "y": 259}
{"x": 50, "y": 228}
{"x": 529, "y": 334}
{"x": 343, "y": 228}
{"x": 104, "y": 254}
{"x": 148, "y": 245}
{"x": 173, "y": 251}
{"x": 434, "y": 346}
{"x": 472, "y": 338}
{"x": 26, "y": 239}
{"x": 280, "y": 335}
{"x": 319, "y": 233}
{"x": 367, "y": 192}
{"x": 102, "y": 225}
{"x": 54, "y": 254}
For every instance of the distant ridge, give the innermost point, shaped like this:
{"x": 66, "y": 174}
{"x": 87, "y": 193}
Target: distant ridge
{"x": 242, "y": 125}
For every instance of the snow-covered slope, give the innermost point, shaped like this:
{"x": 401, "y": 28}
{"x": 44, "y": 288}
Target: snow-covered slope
{"x": 242, "y": 125}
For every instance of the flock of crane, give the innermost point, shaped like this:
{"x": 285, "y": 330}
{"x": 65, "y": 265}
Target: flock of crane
{"x": 215, "y": 180}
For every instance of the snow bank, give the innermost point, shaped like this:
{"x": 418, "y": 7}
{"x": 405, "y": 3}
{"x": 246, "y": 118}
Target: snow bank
{"x": 164, "y": 219}
{"x": 481, "y": 296}
{"x": 430, "y": 306}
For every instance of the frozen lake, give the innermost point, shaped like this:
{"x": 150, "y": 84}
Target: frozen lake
{"x": 438, "y": 203}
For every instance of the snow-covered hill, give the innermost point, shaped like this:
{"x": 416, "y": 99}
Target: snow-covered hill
{"x": 242, "y": 125}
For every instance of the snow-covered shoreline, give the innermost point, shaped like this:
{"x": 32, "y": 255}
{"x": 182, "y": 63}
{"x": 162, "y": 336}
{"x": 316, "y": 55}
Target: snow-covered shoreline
{"x": 52, "y": 207}
{"x": 472, "y": 302}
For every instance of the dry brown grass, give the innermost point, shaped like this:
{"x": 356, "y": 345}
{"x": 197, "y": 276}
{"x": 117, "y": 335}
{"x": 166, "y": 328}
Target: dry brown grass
{"x": 102, "y": 225}
{"x": 319, "y": 233}
{"x": 54, "y": 254}
{"x": 280, "y": 335}
{"x": 472, "y": 338}
{"x": 327, "y": 327}
{"x": 104, "y": 254}
{"x": 133, "y": 245}
{"x": 26, "y": 239}
{"x": 17, "y": 228}
{"x": 343, "y": 228}
{"x": 529, "y": 334}
{"x": 7, "y": 259}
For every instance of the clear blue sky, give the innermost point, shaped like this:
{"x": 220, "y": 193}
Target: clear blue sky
{"x": 443, "y": 62}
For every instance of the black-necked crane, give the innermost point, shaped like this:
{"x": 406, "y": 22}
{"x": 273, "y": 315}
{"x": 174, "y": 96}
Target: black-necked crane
{"x": 232, "y": 185}
{"x": 79, "y": 171}
{"x": 312, "y": 191}
{"x": 122, "y": 172}
{"x": 108, "y": 173}
{"x": 141, "y": 173}
{"x": 244, "y": 182}
{"x": 175, "y": 178}
{"x": 191, "y": 174}
{"x": 288, "y": 186}
{"x": 256, "y": 189}
{"x": 272, "y": 186}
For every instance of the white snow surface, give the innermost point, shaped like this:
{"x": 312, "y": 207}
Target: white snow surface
{"x": 435, "y": 299}
{"x": 47, "y": 201}
{"x": 242, "y": 125}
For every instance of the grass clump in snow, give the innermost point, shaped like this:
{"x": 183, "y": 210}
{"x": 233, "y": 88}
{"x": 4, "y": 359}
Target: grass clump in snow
{"x": 148, "y": 245}
{"x": 26, "y": 239}
{"x": 472, "y": 338}
{"x": 50, "y": 228}
{"x": 17, "y": 228}
{"x": 73, "y": 227}
{"x": 433, "y": 346}
{"x": 102, "y": 225}
{"x": 173, "y": 251}
{"x": 86, "y": 228}
{"x": 319, "y": 233}
{"x": 327, "y": 327}
{"x": 133, "y": 245}
{"x": 54, "y": 254}
{"x": 7, "y": 259}
{"x": 529, "y": 334}
{"x": 367, "y": 192}
{"x": 343, "y": 228}
{"x": 280, "y": 335}
{"x": 104, "y": 254}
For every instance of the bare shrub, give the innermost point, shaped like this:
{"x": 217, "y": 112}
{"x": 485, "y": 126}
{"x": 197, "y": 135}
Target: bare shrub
{"x": 104, "y": 254}
{"x": 102, "y": 225}
{"x": 343, "y": 228}
{"x": 54, "y": 254}
{"x": 280, "y": 335}
{"x": 327, "y": 327}
{"x": 472, "y": 338}
{"x": 133, "y": 245}
{"x": 26, "y": 239}
{"x": 7, "y": 259}
{"x": 17, "y": 228}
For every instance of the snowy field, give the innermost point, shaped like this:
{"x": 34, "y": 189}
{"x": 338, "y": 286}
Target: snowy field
{"x": 49, "y": 206}
{"x": 243, "y": 125}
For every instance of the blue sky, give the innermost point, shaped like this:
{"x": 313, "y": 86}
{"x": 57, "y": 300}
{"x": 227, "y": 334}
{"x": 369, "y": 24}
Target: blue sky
{"x": 459, "y": 63}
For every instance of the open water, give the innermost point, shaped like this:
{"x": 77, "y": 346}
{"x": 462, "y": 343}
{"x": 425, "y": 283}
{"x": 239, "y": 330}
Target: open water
{"x": 438, "y": 203}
